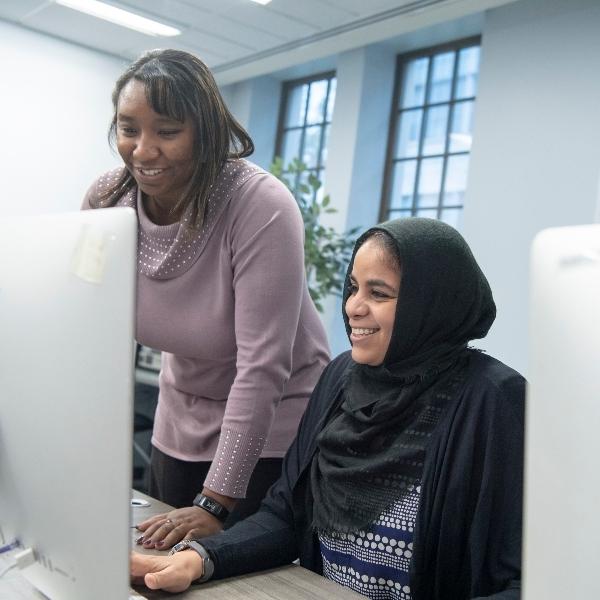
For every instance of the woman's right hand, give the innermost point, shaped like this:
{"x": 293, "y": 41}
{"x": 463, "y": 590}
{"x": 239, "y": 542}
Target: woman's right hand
{"x": 173, "y": 573}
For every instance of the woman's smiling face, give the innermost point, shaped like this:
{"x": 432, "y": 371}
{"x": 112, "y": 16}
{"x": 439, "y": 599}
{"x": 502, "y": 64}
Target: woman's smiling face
{"x": 371, "y": 305}
{"x": 157, "y": 150}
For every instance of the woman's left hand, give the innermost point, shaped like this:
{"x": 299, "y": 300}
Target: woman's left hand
{"x": 171, "y": 573}
{"x": 163, "y": 531}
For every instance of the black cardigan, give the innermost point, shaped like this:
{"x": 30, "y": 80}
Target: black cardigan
{"x": 467, "y": 539}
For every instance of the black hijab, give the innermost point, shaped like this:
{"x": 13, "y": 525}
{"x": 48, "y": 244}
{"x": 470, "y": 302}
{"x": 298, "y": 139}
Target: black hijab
{"x": 371, "y": 451}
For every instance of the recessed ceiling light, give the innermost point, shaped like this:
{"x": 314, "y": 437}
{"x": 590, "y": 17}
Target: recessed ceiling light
{"x": 261, "y": 1}
{"x": 120, "y": 17}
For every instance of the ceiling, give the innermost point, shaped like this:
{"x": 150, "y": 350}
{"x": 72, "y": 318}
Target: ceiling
{"x": 239, "y": 38}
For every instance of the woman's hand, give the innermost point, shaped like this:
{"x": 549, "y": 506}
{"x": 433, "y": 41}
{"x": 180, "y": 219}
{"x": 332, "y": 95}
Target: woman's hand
{"x": 163, "y": 531}
{"x": 171, "y": 573}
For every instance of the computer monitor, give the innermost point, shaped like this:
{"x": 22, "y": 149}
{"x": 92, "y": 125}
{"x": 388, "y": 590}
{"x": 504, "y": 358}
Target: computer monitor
{"x": 67, "y": 290}
{"x": 562, "y": 474}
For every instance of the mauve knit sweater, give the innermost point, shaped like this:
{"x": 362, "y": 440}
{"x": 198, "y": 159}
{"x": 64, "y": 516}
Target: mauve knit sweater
{"x": 243, "y": 345}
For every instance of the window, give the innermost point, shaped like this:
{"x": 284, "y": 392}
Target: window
{"x": 304, "y": 123}
{"x": 430, "y": 134}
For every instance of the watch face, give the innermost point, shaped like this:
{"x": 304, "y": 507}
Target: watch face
{"x": 212, "y": 506}
{"x": 179, "y": 546}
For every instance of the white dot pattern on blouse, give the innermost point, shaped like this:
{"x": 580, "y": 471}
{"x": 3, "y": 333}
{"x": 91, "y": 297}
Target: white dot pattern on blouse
{"x": 234, "y": 462}
{"x": 375, "y": 562}
{"x": 167, "y": 251}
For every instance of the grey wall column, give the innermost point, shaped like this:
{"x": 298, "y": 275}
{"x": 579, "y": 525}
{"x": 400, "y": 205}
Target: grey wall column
{"x": 535, "y": 147}
{"x": 255, "y": 104}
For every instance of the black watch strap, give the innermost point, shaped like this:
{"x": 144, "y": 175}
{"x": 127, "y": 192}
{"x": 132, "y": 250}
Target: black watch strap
{"x": 216, "y": 509}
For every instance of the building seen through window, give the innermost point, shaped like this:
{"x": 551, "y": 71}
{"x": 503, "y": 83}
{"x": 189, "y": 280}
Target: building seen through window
{"x": 304, "y": 123}
{"x": 431, "y": 133}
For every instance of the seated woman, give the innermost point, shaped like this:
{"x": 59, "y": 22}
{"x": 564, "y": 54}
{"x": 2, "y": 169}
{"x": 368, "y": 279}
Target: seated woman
{"x": 405, "y": 478}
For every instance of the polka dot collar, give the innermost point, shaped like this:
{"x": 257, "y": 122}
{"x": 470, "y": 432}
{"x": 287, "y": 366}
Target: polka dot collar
{"x": 167, "y": 251}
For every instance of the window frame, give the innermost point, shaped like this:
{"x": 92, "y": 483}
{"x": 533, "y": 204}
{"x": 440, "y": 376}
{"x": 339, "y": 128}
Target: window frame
{"x": 282, "y": 130}
{"x": 401, "y": 61}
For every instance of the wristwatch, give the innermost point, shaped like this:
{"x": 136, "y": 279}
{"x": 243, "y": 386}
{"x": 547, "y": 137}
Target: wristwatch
{"x": 216, "y": 509}
{"x": 209, "y": 566}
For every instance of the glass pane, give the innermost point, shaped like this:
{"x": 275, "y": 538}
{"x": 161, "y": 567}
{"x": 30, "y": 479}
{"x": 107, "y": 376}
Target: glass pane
{"x": 414, "y": 80}
{"x": 296, "y": 106}
{"x": 436, "y": 125}
{"x": 399, "y": 214}
{"x": 403, "y": 184}
{"x": 408, "y": 133}
{"x": 331, "y": 100}
{"x": 452, "y": 216}
{"x": 441, "y": 77}
{"x": 430, "y": 181}
{"x": 290, "y": 146}
{"x": 428, "y": 213}
{"x": 468, "y": 72}
{"x": 312, "y": 141}
{"x": 325, "y": 142}
{"x": 455, "y": 185}
{"x": 462, "y": 125}
{"x": 316, "y": 101}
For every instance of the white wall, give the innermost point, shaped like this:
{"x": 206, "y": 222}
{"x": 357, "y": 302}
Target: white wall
{"x": 55, "y": 107}
{"x": 536, "y": 153}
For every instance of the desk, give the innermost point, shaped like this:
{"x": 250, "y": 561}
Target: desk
{"x": 284, "y": 583}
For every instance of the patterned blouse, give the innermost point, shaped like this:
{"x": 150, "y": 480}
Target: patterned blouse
{"x": 375, "y": 562}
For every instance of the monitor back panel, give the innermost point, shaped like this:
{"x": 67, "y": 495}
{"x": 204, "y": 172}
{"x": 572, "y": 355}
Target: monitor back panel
{"x": 67, "y": 294}
{"x": 562, "y": 481}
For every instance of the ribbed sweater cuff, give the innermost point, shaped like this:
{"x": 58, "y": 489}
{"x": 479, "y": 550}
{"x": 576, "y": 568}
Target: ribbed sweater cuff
{"x": 234, "y": 461}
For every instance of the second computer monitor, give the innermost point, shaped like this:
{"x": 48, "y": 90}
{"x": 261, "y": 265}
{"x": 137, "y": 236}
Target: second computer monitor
{"x": 562, "y": 475}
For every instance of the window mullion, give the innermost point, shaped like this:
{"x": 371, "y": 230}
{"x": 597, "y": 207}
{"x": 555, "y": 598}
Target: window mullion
{"x": 419, "y": 156}
{"x": 448, "y": 130}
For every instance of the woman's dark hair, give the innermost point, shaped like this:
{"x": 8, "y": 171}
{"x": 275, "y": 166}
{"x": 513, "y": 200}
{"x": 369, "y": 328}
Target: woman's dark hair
{"x": 180, "y": 86}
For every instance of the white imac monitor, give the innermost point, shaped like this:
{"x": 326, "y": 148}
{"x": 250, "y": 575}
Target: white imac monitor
{"x": 67, "y": 289}
{"x": 562, "y": 474}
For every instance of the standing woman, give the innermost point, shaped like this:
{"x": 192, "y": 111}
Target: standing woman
{"x": 405, "y": 479}
{"x": 221, "y": 291}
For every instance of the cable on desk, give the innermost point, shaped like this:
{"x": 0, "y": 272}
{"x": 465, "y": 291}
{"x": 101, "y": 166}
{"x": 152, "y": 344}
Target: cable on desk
{"x": 6, "y": 569}
{"x": 22, "y": 559}
{"x": 8, "y": 547}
